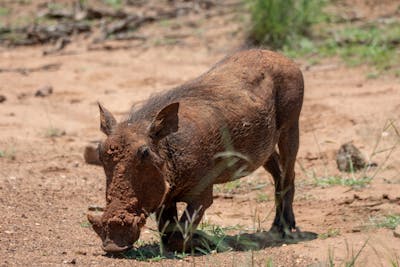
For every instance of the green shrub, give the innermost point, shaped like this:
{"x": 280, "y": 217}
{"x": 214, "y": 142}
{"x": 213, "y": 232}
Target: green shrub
{"x": 278, "y": 22}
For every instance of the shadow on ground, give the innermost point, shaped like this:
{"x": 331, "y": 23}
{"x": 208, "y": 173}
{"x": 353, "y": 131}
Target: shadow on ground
{"x": 206, "y": 244}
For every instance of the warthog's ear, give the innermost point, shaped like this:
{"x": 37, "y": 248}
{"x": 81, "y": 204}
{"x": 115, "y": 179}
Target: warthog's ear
{"x": 165, "y": 123}
{"x": 107, "y": 120}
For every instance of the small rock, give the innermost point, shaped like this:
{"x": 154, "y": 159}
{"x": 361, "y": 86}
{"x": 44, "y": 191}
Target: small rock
{"x": 75, "y": 101}
{"x": 348, "y": 201}
{"x": 73, "y": 261}
{"x": 2, "y": 98}
{"x": 44, "y": 91}
{"x": 60, "y": 45}
{"x": 109, "y": 91}
{"x": 22, "y": 96}
{"x": 349, "y": 158}
{"x": 396, "y": 232}
{"x": 91, "y": 155}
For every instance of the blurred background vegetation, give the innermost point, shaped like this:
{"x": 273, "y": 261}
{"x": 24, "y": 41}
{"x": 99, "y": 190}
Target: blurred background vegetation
{"x": 278, "y": 23}
{"x": 305, "y": 29}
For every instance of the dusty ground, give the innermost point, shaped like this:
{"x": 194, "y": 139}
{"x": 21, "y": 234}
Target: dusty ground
{"x": 46, "y": 187}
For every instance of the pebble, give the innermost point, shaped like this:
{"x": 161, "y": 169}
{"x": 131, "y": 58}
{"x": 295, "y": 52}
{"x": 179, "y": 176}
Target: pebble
{"x": 349, "y": 158}
{"x": 73, "y": 261}
{"x": 44, "y": 91}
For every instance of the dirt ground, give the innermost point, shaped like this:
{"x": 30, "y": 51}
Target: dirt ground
{"x": 46, "y": 187}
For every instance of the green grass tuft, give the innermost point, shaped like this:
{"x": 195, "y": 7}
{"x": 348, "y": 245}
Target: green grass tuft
{"x": 113, "y": 3}
{"x": 85, "y": 224}
{"x": 262, "y": 197}
{"x": 146, "y": 252}
{"x": 339, "y": 180}
{"x": 329, "y": 233}
{"x": 8, "y": 153}
{"x": 53, "y": 132}
{"x": 373, "y": 45}
{"x": 269, "y": 263}
{"x": 389, "y": 221}
{"x": 4, "y": 11}
{"x": 276, "y": 23}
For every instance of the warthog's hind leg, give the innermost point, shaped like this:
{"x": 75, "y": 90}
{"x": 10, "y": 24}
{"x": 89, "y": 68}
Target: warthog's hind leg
{"x": 281, "y": 167}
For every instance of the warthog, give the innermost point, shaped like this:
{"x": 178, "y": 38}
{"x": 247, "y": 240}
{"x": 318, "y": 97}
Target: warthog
{"x": 221, "y": 126}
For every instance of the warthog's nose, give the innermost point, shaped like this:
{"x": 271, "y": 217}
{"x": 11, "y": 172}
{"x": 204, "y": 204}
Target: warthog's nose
{"x": 111, "y": 247}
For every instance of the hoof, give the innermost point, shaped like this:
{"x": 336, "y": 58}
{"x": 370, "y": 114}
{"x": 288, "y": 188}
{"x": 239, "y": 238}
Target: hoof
{"x": 291, "y": 235}
{"x": 285, "y": 232}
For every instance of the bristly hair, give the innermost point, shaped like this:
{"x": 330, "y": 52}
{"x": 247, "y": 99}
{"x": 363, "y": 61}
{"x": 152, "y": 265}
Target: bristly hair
{"x": 195, "y": 90}
{"x": 156, "y": 102}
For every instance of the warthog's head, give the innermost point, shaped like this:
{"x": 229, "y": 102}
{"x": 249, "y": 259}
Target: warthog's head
{"x": 135, "y": 171}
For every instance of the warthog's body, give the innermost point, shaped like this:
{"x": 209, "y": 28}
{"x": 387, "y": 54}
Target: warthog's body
{"x": 169, "y": 149}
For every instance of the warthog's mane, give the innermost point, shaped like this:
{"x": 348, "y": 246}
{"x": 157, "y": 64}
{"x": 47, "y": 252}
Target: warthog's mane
{"x": 193, "y": 91}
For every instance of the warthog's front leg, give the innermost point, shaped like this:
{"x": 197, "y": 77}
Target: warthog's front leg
{"x": 166, "y": 218}
{"x": 180, "y": 234}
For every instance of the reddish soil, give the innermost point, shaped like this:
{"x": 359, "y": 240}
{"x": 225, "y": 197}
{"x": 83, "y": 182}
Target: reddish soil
{"x": 46, "y": 187}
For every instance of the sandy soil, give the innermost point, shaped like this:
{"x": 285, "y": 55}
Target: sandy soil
{"x": 46, "y": 187}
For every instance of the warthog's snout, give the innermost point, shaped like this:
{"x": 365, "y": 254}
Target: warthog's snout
{"x": 110, "y": 247}
{"x": 117, "y": 233}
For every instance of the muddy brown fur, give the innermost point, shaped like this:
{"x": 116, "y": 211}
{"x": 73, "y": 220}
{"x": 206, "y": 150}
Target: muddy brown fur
{"x": 167, "y": 150}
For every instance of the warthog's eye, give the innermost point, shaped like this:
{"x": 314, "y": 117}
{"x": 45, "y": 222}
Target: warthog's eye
{"x": 143, "y": 152}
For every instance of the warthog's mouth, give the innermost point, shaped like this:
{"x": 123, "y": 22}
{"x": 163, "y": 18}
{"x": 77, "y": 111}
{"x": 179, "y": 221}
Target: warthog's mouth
{"x": 111, "y": 247}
